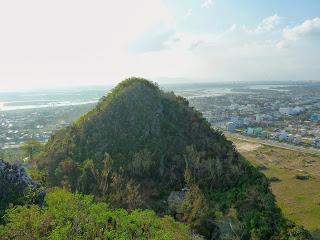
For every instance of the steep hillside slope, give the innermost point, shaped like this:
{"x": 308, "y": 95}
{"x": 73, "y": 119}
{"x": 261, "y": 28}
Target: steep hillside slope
{"x": 141, "y": 145}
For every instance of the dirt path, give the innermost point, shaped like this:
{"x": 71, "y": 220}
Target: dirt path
{"x": 247, "y": 147}
{"x": 274, "y": 144}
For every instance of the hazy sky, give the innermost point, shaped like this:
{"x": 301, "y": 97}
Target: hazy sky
{"x": 75, "y": 42}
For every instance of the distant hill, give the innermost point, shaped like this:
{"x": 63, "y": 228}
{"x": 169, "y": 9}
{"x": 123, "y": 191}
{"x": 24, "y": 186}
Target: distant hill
{"x": 142, "y": 147}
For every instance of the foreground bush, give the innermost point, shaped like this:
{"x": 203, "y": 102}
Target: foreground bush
{"x": 75, "y": 216}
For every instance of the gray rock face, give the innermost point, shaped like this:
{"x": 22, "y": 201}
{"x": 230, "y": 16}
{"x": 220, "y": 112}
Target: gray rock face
{"x": 176, "y": 199}
{"x": 14, "y": 186}
{"x": 14, "y": 176}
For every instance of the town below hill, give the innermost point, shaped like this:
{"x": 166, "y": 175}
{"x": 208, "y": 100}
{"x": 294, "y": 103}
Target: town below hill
{"x": 283, "y": 113}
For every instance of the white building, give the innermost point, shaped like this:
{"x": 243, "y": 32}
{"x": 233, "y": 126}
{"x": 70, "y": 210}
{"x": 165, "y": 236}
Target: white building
{"x": 297, "y": 139}
{"x": 247, "y": 121}
{"x": 259, "y": 118}
{"x": 285, "y": 111}
{"x": 297, "y": 110}
{"x": 231, "y": 127}
{"x": 316, "y": 142}
{"x": 283, "y": 136}
{"x": 234, "y": 118}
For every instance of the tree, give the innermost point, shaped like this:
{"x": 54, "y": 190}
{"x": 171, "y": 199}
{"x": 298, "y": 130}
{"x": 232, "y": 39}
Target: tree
{"x": 133, "y": 196}
{"x": 76, "y": 216}
{"x": 230, "y": 227}
{"x": 117, "y": 186}
{"x": 30, "y": 148}
{"x": 194, "y": 208}
{"x": 68, "y": 172}
{"x": 192, "y": 158}
{"x": 141, "y": 163}
{"x": 88, "y": 179}
{"x": 38, "y": 176}
{"x": 104, "y": 175}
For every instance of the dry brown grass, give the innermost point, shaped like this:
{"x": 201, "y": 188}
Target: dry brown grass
{"x": 299, "y": 199}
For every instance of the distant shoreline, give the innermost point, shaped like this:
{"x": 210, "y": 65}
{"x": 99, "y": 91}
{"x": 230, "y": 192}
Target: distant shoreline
{"x": 4, "y": 108}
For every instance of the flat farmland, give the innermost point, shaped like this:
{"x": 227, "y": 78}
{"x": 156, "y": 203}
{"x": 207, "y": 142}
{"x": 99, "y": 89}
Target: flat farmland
{"x": 294, "y": 176}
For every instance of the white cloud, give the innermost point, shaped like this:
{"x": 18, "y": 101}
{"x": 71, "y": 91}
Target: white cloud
{"x": 233, "y": 28}
{"x": 207, "y": 3}
{"x": 308, "y": 28}
{"x": 189, "y": 13}
{"x": 268, "y": 24}
{"x": 239, "y": 53}
{"x": 186, "y": 41}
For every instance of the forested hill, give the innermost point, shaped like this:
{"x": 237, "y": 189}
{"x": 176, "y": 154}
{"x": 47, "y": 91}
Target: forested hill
{"x": 146, "y": 132}
{"x": 142, "y": 147}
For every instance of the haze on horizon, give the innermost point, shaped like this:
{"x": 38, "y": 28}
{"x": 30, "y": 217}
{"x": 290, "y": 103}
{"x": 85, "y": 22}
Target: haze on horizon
{"x": 47, "y": 44}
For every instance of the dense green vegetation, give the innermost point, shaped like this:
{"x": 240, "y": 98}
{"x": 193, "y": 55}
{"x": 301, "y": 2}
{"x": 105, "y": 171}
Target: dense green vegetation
{"x": 144, "y": 133}
{"x": 12, "y": 155}
{"x": 75, "y": 216}
{"x": 31, "y": 148}
{"x": 140, "y": 145}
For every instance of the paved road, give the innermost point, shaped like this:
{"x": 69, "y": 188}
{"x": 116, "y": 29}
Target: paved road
{"x": 274, "y": 144}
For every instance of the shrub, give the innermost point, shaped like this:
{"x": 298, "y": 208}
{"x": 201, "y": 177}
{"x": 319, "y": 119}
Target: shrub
{"x": 76, "y": 216}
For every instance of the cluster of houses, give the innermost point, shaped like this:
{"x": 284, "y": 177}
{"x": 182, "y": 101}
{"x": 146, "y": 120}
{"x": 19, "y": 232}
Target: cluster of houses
{"x": 16, "y": 129}
{"x": 250, "y": 126}
{"x": 283, "y": 136}
{"x": 291, "y": 111}
{"x": 289, "y": 115}
{"x": 237, "y": 122}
